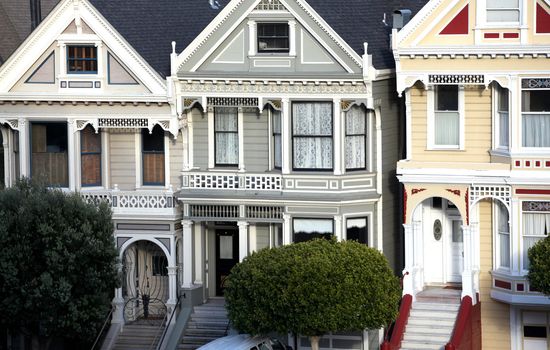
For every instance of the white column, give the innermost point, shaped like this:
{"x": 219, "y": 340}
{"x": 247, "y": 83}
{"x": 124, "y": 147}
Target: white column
{"x": 199, "y": 254}
{"x": 187, "y": 247}
{"x": 71, "y": 149}
{"x": 338, "y": 231}
{"x": 408, "y": 278}
{"x": 418, "y": 253}
{"x": 285, "y": 136}
{"x": 240, "y": 128}
{"x": 515, "y": 237}
{"x": 243, "y": 239}
{"x": 467, "y": 274}
{"x": 337, "y": 139}
{"x": 7, "y": 159}
{"x": 252, "y": 238}
{"x": 172, "y": 284}
{"x": 211, "y": 155}
{"x": 515, "y": 115}
{"x": 188, "y": 142}
{"x": 251, "y": 38}
{"x": 118, "y": 302}
{"x": 167, "y": 172}
{"x": 292, "y": 37}
{"x": 287, "y": 229}
{"x": 24, "y": 151}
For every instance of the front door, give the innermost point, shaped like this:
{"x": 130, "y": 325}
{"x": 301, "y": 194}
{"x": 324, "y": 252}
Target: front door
{"x": 457, "y": 252}
{"x": 227, "y": 255}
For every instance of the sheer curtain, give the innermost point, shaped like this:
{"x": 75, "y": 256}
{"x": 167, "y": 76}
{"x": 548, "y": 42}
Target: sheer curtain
{"x": 536, "y": 130}
{"x": 312, "y": 135}
{"x": 535, "y": 228}
{"x": 503, "y": 236}
{"x": 226, "y": 135}
{"x": 356, "y": 128}
{"x": 446, "y": 128}
{"x": 277, "y": 157}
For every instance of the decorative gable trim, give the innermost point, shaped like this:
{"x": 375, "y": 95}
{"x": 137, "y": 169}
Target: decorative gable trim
{"x": 418, "y": 19}
{"x": 459, "y": 24}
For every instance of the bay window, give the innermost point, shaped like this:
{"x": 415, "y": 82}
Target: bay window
{"x": 535, "y": 107}
{"x": 306, "y": 229}
{"x": 312, "y": 135}
{"x": 90, "y": 157}
{"x": 226, "y": 136}
{"x": 356, "y": 229}
{"x": 503, "y": 236}
{"x": 503, "y": 111}
{"x": 446, "y": 123}
{"x": 356, "y": 139}
{"x": 49, "y": 155}
{"x": 153, "y": 156}
{"x": 536, "y": 226}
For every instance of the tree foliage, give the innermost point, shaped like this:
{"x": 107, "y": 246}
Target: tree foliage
{"x": 57, "y": 262}
{"x": 312, "y": 288}
{"x": 539, "y": 268}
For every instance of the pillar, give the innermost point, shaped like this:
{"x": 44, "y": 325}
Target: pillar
{"x": 337, "y": 129}
{"x": 338, "y": 232}
{"x": 23, "y": 148}
{"x": 467, "y": 274}
{"x": 408, "y": 271}
{"x": 118, "y": 302}
{"x": 285, "y": 136}
{"x": 287, "y": 229}
{"x": 187, "y": 247}
{"x": 240, "y": 128}
{"x": 243, "y": 239}
{"x": 71, "y": 130}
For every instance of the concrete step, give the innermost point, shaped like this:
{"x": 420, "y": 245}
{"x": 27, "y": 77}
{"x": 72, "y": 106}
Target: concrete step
{"x": 433, "y": 338}
{"x": 435, "y": 306}
{"x": 430, "y": 322}
{"x": 406, "y": 345}
{"x": 433, "y": 314}
{"x": 429, "y": 329}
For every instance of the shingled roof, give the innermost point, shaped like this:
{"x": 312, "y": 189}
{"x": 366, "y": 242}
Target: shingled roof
{"x": 151, "y": 26}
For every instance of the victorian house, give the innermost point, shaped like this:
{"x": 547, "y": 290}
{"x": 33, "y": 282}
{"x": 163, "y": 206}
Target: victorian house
{"x": 213, "y": 130}
{"x": 476, "y": 78}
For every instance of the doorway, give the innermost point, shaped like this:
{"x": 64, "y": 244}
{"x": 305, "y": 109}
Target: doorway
{"x": 227, "y": 255}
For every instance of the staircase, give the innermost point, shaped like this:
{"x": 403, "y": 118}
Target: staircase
{"x": 139, "y": 336}
{"x": 207, "y": 322}
{"x": 432, "y": 319}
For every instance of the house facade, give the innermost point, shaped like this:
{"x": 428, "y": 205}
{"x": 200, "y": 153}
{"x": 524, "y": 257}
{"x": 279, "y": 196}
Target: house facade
{"x": 475, "y": 75}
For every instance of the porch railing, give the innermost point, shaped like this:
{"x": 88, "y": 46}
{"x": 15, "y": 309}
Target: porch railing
{"x": 233, "y": 181}
{"x": 129, "y": 201}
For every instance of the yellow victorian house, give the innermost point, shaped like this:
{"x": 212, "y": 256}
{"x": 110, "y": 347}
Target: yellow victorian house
{"x": 475, "y": 75}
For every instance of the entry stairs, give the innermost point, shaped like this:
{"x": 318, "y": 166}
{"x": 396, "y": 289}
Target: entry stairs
{"x": 207, "y": 322}
{"x": 432, "y": 319}
{"x": 139, "y": 336}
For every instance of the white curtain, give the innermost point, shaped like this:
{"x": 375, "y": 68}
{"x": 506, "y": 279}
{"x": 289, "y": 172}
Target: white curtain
{"x": 503, "y": 236}
{"x": 447, "y": 128}
{"x": 535, "y": 228}
{"x": 536, "y": 130}
{"x": 277, "y": 157}
{"x": 356, "y": 128}
{"x": 227, "y": 136}
{"x": 312, "y": 135}
{"x": 503, "y": 129}
{"x": 323, "y": 226}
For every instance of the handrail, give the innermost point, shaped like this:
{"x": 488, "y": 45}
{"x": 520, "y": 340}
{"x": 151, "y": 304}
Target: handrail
{"x": 462, "y": 321}
{"x": 167, "y": 324}
{"x": 394, "y": 340}
{"x": 157, "y": 332}
{"x": 102, "y": 328}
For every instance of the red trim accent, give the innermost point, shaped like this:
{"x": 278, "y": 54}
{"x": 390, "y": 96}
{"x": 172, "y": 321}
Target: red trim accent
{"x": 520, "y": 287}
{"x": 455, "y": 192}
{"x": 467, "y": 200}
{"x": 417, "y": 190}
{"x": 547, "y": 164}
{"x": 458, "y": 25}
{"x": 530, "y": 191}
{"x": 518, "y": 163}
{"x": 527, "y": 163}
{"x": 467, "y": 329}
{"x": 405, "y": 206}
{"x": 394, "y": 343}
{"x": 537, "y": 163}
{"x": 491, "y": 35}
{"x": 503, "y": 284}
{"x": 510, "y": 35}
{"x": 543, "y": 20}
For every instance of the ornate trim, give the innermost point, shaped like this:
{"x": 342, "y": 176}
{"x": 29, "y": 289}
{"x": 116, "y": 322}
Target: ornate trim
{"x": 80, "y": 124}
{"x": 500, "y": 192}
{"x": 232, "y": 102}
{"x": 456, "y": 79}
{"x": 12, "y": 123}
{"x": 405, "y": 205}
{"x": 270, "y": 5}
{"x": 276, "y": 104}
{"x": 455, "y": 192}
{"x": 189, "y": 103}
{"x": 535, "y": 206}
{"x": 417, "y": 190}
{"x": 125, "y": 123}
{"x": 535, "y": 83}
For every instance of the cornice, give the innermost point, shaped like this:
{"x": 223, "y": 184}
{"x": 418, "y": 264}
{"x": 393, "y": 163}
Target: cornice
{"x": 476, "y": 52}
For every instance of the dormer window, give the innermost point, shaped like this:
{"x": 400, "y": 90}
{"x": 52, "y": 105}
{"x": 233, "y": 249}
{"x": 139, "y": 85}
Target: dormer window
{"x": 503, "y": 11}
{"x": 273, "y": 37}
{"x": 81, "y": 59}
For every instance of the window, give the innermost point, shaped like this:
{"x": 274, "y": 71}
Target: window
{"x": 273, "y": 37}
{"x": 160, "y": 265}
{"x": 226, "y": 134}
{"x": 503, "y": 236}
{"x": 446, "y": 117}
{"x": 356, "y": 229}
{"x": 535, "y": 329}
{"x": 536, "y": 226}
{"x": 535, "y": 106}
{"x": 503, "y": 108}
{"x": 502, "y": 11}
{"x": 90, "y": 157}
{"x": 308, "y": 229}
{"x": 153, "y": 156}
{"x": 277, "y": 155}
{"x": 82, "y": 59}
{"x": 49, "y": 157}
{"x": 312, "y": 135}
{"x": 356, "y": 138}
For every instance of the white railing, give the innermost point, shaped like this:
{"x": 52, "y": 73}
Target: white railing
{"x": 233, "y": 181}
{"x": 129, "y": 201}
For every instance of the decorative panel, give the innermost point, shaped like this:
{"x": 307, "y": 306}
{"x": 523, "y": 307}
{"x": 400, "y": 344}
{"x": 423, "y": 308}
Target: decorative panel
{"x": 457, "y": 79}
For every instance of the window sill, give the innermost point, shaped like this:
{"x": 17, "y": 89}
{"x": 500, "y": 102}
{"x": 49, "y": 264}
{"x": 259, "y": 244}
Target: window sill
{"x": 271, "y": 55}
{"x": 500, "y": 153}
{"x": 444, "y": 148}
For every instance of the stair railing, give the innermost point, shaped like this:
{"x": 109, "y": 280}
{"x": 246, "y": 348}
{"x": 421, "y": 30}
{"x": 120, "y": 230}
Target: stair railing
{"x": 166, "y": 326}
{"x": 463, "y": 337}
{"x": 107, "y": 318}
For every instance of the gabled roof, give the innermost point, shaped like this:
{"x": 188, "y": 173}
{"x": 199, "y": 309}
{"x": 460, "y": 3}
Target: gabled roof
{"x": 151, "y": 26}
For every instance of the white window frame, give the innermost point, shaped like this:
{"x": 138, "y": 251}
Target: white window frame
{"x": 522, "y": 236}
{"x": 370, "y": 225}
{"x": 497, "y": 251}
{"x": 431, "y": 121}
{"x": 496, "y": 118}
{"x": 253, "y": 37}
{"x": 534, "y": 150}
{"x": 482, "y": 16}
{"x": 139, "y": 163}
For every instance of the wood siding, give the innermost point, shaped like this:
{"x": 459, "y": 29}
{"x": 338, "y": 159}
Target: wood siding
{"x": 176, "y": 161}
{"x": 256, "y": 142}
{"x": 200, "y": 138}
{"x": 122, "y": 159}
{"x": 495, "y": 316}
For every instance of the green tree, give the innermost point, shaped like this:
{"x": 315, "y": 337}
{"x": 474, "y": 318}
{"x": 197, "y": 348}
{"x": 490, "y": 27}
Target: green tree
{"x": 312, "y": 288}
{"x": 539, "y": 268}
{"x": 57, "y": 264}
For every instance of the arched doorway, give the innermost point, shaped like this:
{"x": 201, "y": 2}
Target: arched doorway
{"x": 145, "y": 283}
{"x": 441, "y": 239}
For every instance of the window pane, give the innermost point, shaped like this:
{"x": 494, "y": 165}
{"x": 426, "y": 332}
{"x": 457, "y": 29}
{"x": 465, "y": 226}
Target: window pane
{"x": 357, "y": 230}
{"x": 153, "y": 168}
{"x": 446, "y": 98}
{"x": 227, "y": 148}
{"x": 502, "y": 4}
{"x": 503, "y": 130}
{"x": 503, "y": 16}
{"x": 277, "y": 155}
{"x": 536, "y": 101}
{"x": 534, "y": 331}
{"x": 313, "y": 152}
{"x": 49, "y": 153}
{"x": 535, "y": 227}
{"x": 90, "y": 140}
{"x": 536, "y": 130}
{"x": 82, "y": 59}
{"x": 312, "y": 135}
{"x": 355, "y": 152}
{"x": 226, "y": 119}
{"x": 307, "y": 229}
{"x": 273, "y": 37}
{"x": 90, "y": 169}
{"x": 503, "y": 236}
{"x": 446, "y": 128}
{"x": 153, "y": 142}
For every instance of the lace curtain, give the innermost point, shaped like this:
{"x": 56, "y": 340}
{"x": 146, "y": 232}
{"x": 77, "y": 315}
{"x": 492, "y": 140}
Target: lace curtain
{"x": 356, "y": 128}
{"x": 277, "y": 157}
{"x": 536, "y": 130}
{"x": 503, "y": 236}
{"x": 226, "y": 136}
{"x": 312, "y": 135}
{"x": 535, "y": 227}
